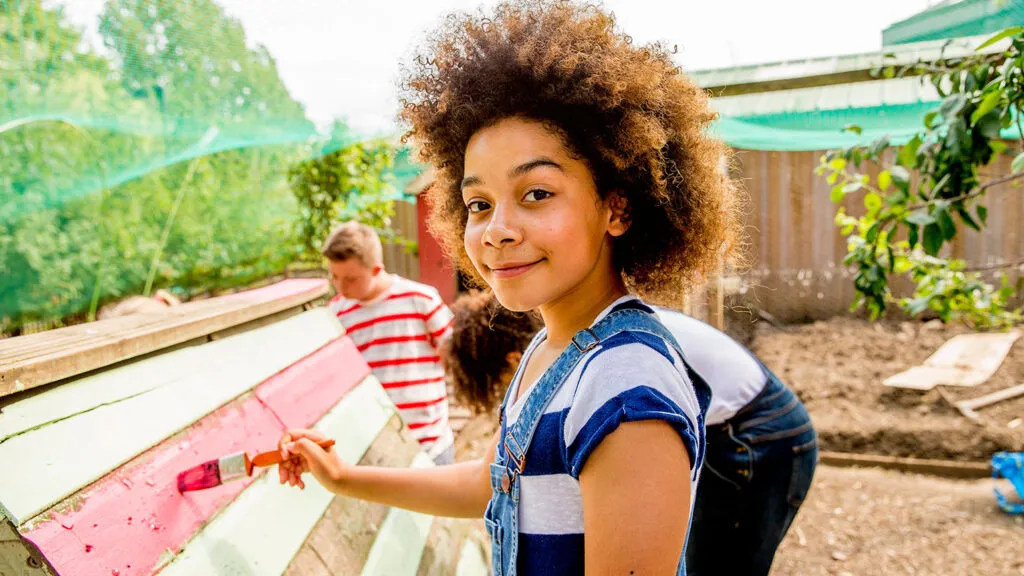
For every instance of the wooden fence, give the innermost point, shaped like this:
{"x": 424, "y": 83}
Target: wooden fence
{"x": 795, "y": 251}
{"x": 397, "y": 258}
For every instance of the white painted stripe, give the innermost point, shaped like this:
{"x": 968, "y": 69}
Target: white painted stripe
{"x": 472, "y": 561}
{"x": 263, "y": 529}
{"x": 278, "y": 345}
{"x": 399, "y": 544}
{"x": 560, "y": 511}
{"x": 57, "y": 459}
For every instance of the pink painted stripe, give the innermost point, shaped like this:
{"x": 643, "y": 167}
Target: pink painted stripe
{"x": 125, "y": 522}
{"x": 279, "y": 290}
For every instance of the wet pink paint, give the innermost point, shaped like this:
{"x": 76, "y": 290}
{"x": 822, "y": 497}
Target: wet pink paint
{"x": 296, "y": 397}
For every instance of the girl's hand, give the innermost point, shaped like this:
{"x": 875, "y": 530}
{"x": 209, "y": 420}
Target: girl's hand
{"x": 302, "y": 453}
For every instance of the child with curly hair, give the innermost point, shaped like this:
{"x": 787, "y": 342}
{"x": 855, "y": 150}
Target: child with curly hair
{"x": 762, "y": 449}
{"x": 574, "y": 175}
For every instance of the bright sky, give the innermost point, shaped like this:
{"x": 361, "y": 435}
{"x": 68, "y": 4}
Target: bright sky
{"x": 341, "y": 58}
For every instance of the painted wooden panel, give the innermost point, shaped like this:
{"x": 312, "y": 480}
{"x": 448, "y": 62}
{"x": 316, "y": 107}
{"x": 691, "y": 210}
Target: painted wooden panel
{"x": 264, "y": 528}
{"x": 134, "y": 519}
{"x": 399, "y": 544}
{"x": 37, "y": 359}
{"x": 277, "y": 346}
{"x": 59, "y": 458}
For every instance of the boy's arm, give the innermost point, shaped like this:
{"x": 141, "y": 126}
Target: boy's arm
{"x": 438, "y": 322}
{"x": 460, "y": 490}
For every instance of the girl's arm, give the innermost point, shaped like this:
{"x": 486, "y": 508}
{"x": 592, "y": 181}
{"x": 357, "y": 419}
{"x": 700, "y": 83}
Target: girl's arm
{"x": 460, "y": 490}
{"x": 636, "y": 500}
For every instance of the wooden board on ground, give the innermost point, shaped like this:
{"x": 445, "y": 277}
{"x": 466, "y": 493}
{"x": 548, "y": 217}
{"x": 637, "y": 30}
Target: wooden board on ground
{"x": 964, "y": 360}
{"x": 947, "y": 468}
{"x": 34, "y": 360}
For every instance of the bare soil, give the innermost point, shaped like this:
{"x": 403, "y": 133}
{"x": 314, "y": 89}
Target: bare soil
{"x": 837, "y": 368}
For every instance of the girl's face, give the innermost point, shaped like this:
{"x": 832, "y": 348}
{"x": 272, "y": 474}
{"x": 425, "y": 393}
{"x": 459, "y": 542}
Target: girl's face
{"x": 537, "y": 231}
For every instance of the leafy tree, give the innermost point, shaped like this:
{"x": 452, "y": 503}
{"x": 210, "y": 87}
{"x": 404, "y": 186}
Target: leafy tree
{"x": 930, "y": 187}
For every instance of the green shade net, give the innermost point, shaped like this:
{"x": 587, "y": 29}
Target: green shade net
{"x": 98, "y": 145}
{"x": 952, "y": 19}
{"x": 823, "y": 129}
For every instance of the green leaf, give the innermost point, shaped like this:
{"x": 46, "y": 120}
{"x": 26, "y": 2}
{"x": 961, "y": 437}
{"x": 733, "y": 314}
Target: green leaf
{"x": 900, "y": 175}
{"x": 912, "y": 236}
{"x": 945, "y": 222}
{"x": 997, "y": 146}
{"x": 873, "y": 202}
{"x": 837, "y": 164}
{"x": 831, "y": 179}
{"x": 852, "y": 186}
{"x": 967, "y": 219}
{"x": 917, "y": 305}
{"x": 1004, "y": 34}
{"x": 982, "y": 214}
{"x": 987, "y": 105}
{"x": 889, "y": 72}
{"x": 989, "y": 126}
{"x": 929, "y": 118}
{"x": 1018, "y": 163}
{"x": 952, "y": 105}
{"x": 884, "y": 180}
{"x": 837, "y": 194}
{"x": 920, "y": 218}
{"x": 872, "y": 233}
{"x": 907, "y": 156}
{"x": 933, "y": 239}
{"x": 853, "y": 128}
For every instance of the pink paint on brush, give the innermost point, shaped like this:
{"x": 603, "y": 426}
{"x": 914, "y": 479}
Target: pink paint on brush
{"x": 127, "y": 520}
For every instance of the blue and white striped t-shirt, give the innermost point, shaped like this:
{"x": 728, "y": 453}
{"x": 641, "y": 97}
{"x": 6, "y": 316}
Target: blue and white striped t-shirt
{"x": 628, "y": 377}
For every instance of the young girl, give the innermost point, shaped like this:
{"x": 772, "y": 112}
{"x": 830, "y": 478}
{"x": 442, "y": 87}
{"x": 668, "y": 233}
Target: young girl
{"x": 761, "y": 446}
{"x": 572, "y": 168}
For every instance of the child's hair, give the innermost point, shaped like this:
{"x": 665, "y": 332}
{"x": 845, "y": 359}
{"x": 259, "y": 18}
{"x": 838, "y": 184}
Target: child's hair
{"x": 483, "y": 334}
{"x": 354, "y": 240}
{"x": 628, "y": 111}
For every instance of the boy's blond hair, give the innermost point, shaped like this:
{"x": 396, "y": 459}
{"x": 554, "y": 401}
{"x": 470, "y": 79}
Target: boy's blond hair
{"x": 354, "y": 240}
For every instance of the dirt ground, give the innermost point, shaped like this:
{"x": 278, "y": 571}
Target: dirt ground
{"x": 867, "y": 522}
{"x": 837, "y": 368}
{"x": 858, "y": 522}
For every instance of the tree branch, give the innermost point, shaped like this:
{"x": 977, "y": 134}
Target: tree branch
{"x": 976, "y": 192}
{"x": 999, "y": 266}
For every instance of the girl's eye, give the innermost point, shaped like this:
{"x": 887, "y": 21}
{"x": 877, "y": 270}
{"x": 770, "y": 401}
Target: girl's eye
{"x": 477, "y": 206}
{"x": 537, "y": 195}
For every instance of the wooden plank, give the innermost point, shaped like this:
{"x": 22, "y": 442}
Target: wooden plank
{"x": 58, "y": 458}
{"x": 37, "y": 359}
{"x": 964, "y": 360}
{"x": 344, "y": 535}
{"x": 17, "y": 557}
{"x": 946, "y": 468}
{"x": 261, "y": 532}
{"x": 134, "y": 515}
{"x": 277, "y": 346}
{"x": 473, "y": 560}
{"x": 443, "y": 547}
{"x": 399, "y": 545}
{"x": 307, "y": 563}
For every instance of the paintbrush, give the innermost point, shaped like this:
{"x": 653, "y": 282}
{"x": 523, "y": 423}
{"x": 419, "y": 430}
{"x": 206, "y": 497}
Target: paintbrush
{"x": 231, "y": 467}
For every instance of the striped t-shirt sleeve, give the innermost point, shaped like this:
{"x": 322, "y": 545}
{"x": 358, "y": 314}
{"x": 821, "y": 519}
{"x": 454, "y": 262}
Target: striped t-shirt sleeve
{"x": 632, "y": 377}
{"x": 438, "y": 319}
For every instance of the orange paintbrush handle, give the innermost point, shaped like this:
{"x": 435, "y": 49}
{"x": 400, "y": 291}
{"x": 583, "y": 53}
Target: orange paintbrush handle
{"x": 274, "y": 457}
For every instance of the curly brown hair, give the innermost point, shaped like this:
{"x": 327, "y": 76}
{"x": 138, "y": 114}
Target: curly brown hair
{"x": 483, "y": 334}
{"x": 630, "y": 113}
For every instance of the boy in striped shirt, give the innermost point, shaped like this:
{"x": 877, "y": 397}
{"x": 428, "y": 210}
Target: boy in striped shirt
{"x": 398, "y": 326}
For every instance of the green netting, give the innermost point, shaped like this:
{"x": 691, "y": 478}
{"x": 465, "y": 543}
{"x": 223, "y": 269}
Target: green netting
{"x": 823, "y": 129}
{"x": 956, "y": 19}
{"x": 97, "y": 146}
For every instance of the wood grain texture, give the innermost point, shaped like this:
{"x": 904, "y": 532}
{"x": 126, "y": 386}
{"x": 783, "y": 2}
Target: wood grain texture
{"x": 399, "y": 545}
{"x": 264, "y": 528}
{"x": 131, "y": 518}
{"x": 37, "y": 359}
{"x": 59, "y": 458}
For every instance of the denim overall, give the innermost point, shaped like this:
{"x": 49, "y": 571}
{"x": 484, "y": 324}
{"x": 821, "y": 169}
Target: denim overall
{"x": 502, "y": 515}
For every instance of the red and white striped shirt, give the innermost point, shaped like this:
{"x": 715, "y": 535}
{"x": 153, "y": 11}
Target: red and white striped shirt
{"x": 399, "y": 335}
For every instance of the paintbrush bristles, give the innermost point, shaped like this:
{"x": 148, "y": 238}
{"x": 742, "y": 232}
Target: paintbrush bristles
{"x": 214, "y": 472}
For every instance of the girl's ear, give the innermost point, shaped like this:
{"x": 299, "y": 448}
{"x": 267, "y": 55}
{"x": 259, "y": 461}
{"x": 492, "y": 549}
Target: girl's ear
{"x": 620, "y": 218}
